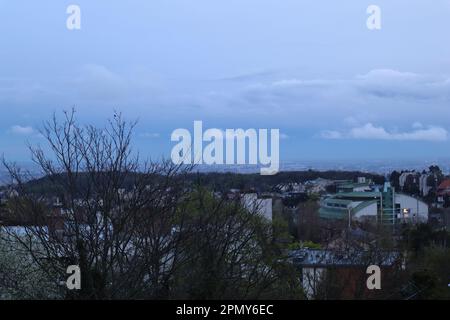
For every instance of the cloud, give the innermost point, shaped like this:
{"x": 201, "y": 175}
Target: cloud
{"x": 150, "y": 135}
{"x": 371, "y": 132}
{"x": 386, "y": 96}
{"x": 381, "y": 83}
{"x": 388, "y": 83}
{"x": 330, "y": 134}
{"x": 98, "y": 82}
{"x": 417, "y": 125}
{"x": 21, "y": 130}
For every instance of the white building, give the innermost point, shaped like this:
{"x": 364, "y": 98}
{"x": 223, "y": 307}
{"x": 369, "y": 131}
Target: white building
{"x": 262, "y": 206}
{"x": 404, "y": 176}
{"x": 387, "y": 206}
{"x": 423, "y": 184}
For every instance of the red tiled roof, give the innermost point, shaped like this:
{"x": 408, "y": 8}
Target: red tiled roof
{"x": 444, "y": 187}
{"x": 444, "y": 184}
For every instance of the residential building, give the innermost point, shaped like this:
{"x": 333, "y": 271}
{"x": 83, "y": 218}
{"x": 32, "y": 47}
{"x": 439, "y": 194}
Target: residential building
{"x": 423, "y": 184}
{"x": 262, "y": 206}
{"x": 443, "y": 193}
{"x": 349, "y": 265}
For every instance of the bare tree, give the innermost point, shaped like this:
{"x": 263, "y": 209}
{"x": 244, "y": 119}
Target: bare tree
{"x": 115, "y": 215}
{"x": 234, "y": 255}
{"x": 136, "y": 230}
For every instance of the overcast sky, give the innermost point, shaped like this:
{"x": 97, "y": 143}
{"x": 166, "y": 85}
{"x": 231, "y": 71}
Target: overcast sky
{"x": 313, "y": 69}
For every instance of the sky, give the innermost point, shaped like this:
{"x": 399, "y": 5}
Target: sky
{"x": 334, "y": 88}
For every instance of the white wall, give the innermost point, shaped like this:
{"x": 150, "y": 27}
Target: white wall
{"x": 311, "y": 278}
{"x": 370, "y": 210}
{"x": 263, "y": 206}
{"x": 417, "y": 207}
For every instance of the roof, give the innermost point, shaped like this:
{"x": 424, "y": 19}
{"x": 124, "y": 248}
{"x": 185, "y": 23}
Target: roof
{"x": 338, "y": 201}
{"x": 326, "y": 258}
{"x": 363, "y": 205}
{"x": 353, "y": 185}
{"x": 332, "y": 213}
{"x": 339, "y": 212}
{"x": 444, "y": 184}
{"x": 357, "y": 195}
{"x": 346, "y": 198}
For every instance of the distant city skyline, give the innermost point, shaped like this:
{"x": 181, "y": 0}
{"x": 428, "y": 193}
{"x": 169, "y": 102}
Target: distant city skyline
{"x": 336, "y": 90}
{"x": 382, "y": 167}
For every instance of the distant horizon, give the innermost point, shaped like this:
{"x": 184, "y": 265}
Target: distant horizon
{"x": 380, "y": 166}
